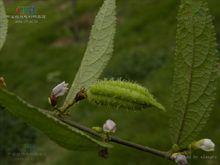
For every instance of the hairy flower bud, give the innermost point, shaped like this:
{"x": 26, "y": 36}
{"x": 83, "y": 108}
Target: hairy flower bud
{"x": 204, "y": 144}
{"x": 109, "y": 126}
{"x": 121, "y": 94}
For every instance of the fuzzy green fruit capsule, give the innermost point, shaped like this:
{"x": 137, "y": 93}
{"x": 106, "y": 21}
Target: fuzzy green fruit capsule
{"x": 121, "y": 94}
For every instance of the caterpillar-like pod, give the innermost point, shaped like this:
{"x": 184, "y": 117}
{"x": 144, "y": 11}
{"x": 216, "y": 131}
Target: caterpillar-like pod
{"x": 121, "y": 94}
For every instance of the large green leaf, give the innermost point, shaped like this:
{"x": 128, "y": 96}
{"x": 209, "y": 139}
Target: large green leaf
{"x": 63, "y": 134}
{"x": 3, "y": 24}
{"x": 195, "y": 71}
{"x": 98, "y": 52}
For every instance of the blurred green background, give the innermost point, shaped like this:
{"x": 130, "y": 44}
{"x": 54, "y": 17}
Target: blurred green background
{"x": 38, "y": 55}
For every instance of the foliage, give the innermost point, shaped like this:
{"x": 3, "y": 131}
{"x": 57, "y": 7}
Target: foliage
{"x": 159, "y": 82}
{"x": 15, "y": 134}
{"x": 98, "y": 52}
{"x": 3, "y": 24}
{"x": 195, "y": 71}
{"x": 66, "y": 136}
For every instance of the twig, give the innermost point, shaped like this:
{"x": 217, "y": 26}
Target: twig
{"x": 117, "y": 140}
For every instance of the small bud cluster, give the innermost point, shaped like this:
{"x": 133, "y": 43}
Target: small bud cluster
{"x": 108, "y": 127}
{"x": 203, "y": 144}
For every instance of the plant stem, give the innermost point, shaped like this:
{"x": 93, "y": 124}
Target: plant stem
{"x": 153, "y": 151}
{"x": 117, "y": 140}
{"x": 64, "y": 108}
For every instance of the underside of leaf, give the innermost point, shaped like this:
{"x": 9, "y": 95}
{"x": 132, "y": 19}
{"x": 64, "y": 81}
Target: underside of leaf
{"x": 194, "y": 73}
{"x": 99, "y": 50}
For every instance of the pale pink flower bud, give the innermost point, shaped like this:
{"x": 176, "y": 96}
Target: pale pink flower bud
{"x": 60, "y": 89}
{"x": 204, "y": 144}
{"x": 109, "y": 126}
{"x": 180, "y": 159}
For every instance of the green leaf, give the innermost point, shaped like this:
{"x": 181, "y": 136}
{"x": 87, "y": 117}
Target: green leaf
{"x": 3, "y": 24}
{"x": 194, "y": 73}
{"x": 98, "y": 52}
{"x": 66, "y": 136}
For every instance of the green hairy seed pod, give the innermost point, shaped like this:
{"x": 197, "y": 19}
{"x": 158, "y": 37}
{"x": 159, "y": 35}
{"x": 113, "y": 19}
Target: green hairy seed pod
{"x": 121, "y": 94}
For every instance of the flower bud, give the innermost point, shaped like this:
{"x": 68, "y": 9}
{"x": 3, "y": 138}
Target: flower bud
{"x": 58, "y": 91}
{"x": 109, "y": 126}
{"x": 179, "y": 159}
{"x": 121, "y": 94}
{"x": 204, "y": 144}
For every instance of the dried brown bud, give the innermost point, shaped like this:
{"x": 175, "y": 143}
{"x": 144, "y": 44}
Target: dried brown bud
{"x": 80, "y": 95}
{"x": 103, "y": 152}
